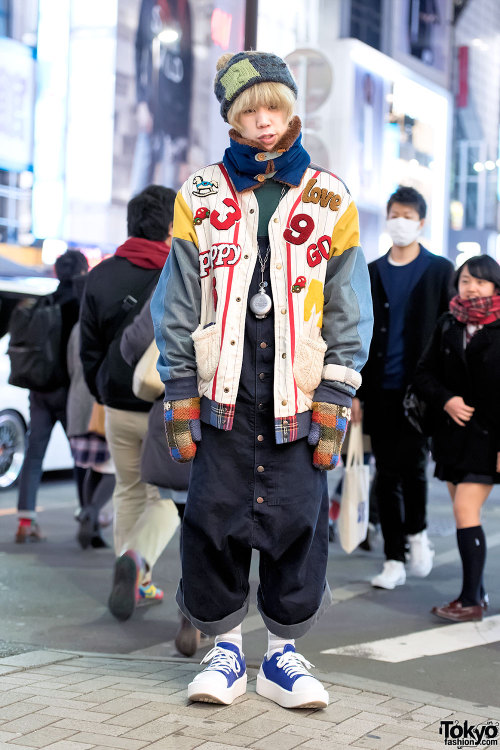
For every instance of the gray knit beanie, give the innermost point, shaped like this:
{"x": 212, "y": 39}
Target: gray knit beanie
{"x": 245, "y": 69}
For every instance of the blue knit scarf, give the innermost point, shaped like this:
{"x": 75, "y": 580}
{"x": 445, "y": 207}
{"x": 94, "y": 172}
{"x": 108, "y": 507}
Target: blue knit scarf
{"x": 289, "y": 166}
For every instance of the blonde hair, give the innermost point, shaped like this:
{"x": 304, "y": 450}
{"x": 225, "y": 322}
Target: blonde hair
{"x": 266, "y": 94}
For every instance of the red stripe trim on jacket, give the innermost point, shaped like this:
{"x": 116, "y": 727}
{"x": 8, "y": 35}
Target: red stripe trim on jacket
{"x": 230, "y": 275}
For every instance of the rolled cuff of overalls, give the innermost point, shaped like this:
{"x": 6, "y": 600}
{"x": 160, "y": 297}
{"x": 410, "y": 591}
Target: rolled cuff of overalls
{"x": 298, "y": 629}
{"x": 216, "y": 627}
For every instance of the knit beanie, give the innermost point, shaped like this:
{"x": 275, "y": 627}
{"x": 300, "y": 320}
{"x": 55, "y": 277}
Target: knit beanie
{"x": 238, "y": 72}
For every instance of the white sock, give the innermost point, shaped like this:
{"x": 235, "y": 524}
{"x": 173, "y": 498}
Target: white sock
{"x": 275, "y": 643}
{"x": 232, "y": 636}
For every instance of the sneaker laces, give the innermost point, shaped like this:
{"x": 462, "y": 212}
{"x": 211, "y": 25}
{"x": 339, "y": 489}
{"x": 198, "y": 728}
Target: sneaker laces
{"x": 294, "y": 664}
{"x": 223, "y": 660}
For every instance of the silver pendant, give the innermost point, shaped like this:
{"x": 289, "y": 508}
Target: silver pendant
{"x": 260, "y": 304}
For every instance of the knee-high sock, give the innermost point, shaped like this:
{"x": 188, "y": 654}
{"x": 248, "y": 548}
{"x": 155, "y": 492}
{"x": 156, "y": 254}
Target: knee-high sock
{"x": 472, "y": 548}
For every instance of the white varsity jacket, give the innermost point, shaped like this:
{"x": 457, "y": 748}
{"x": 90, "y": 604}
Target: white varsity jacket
{"x": 320, "y": 286}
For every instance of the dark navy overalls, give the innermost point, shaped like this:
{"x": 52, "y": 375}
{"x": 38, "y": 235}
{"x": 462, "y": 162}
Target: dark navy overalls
{"x": 246, "y": 492}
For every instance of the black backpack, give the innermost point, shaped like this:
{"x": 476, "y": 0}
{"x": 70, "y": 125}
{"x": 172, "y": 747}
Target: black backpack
{"x": 35, "y": 329}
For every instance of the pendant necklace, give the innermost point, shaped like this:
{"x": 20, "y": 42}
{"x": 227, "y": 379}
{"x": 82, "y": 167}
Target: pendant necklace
{"x": 261, "y": 303}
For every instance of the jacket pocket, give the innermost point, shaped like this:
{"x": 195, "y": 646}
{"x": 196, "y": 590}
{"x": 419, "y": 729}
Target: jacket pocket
{"x": 207, "y": 350}
{"x": 308, "y": 363}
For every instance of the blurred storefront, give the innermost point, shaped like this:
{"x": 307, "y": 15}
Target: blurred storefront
{"x": 114, "y": 95}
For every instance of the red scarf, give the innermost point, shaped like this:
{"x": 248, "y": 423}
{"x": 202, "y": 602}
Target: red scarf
{"x": 144, "y": 253}
{"x": 477, "y": 311}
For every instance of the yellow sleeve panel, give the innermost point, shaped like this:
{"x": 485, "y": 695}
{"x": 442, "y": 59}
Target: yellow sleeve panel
{"x": 183, "y": 221}
{"x": 346, "y": 231}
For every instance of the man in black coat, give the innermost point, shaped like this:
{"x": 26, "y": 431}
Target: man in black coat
{"x": 410, "y": 290}
{"x": 48, "y": 407}
{"x": 115, "y": 293}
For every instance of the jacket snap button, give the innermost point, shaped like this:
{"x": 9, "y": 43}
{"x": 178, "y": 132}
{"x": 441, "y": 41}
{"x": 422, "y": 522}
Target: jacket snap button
{"x": 278, "y": 266}
{"x": 276, "y": 220}
{"x": 260, "y": 469}
{"x": 283, "y": 312}
{"x": 260, "y": 500}
{"x": 283, "y": 356}
{"x": 261, "y": 157}
{"x": 233, "y": 343}
{"x": 263, "y": 345}
{"x": 252, "y": 211}
{"x": 238, "y": 299}
{"x": 226, "y": 390}
{"x": 260, "y": 438}
{"x": 283, "y": 403}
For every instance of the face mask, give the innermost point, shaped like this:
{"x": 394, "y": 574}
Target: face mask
{"x": 403, "y": 231}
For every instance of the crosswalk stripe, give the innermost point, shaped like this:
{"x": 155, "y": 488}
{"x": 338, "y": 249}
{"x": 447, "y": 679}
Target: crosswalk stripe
{"x": 442, "y": 640}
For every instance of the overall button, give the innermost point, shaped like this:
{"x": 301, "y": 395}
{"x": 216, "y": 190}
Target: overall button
{"x": 260, "y": 500}
{"x": 263, "y": 345}
{"x": 262, "y": 375}
{"x": 260, "y": 469}
{"x": 260, "y": 438}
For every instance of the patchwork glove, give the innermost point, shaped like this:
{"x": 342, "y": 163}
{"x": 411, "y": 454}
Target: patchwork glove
{"x": 327, "y": 433}
{"x": 182, "y": 428}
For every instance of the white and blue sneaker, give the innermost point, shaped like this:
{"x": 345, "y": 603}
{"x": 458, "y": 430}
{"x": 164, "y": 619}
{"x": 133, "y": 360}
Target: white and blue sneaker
{"x": 284, "y": 679}
{"x": 224, "y": 679}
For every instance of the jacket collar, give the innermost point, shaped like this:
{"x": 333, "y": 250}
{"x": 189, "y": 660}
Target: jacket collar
{"x": 246, "y": 161}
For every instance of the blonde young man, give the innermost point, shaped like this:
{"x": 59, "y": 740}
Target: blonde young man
{"x": 263, "y": 321}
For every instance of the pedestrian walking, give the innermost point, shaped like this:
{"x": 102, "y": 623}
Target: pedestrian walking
{"x": 263, "y": 318}
{"x": 458, "y": 378}
{"x": 48, "y": 406}
{"x": 115, "y": 292}
{"x": 88, "y": 446}
{"x": 410, "y": 290}
{"x": 157, "y": 466}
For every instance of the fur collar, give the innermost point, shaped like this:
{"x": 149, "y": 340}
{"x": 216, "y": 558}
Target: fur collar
{"x": 290, "y": 159}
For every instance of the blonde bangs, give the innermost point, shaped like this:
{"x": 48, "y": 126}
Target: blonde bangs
{"x": 267, "y": 94}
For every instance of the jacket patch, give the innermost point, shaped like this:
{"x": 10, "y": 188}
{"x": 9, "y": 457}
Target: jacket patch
{"x": 231, "y": 217}
{"x": 220, "y": 254}
{"x": 204, "y": 187}
{"x": 319, "y": 251}
{"x": 300, "y": 229}
{"x": 322, "y": 196}
{"x": 314, "y": 301}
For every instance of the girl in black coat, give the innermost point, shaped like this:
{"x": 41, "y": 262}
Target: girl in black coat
{"x": 458, "y": 378}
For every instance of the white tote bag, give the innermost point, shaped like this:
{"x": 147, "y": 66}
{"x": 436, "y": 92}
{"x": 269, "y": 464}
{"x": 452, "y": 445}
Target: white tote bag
{"x": 146, "y": 382}
{"x": 352, "y": 522}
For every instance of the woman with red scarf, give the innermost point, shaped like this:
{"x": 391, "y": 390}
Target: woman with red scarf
{"x": 458, "y": 377}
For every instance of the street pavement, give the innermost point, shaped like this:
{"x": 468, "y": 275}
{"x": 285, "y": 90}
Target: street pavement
{"x": 71, "y": 677}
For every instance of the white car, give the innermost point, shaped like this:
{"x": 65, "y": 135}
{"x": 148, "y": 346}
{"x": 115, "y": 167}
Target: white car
{"x": 14, "y": 403}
